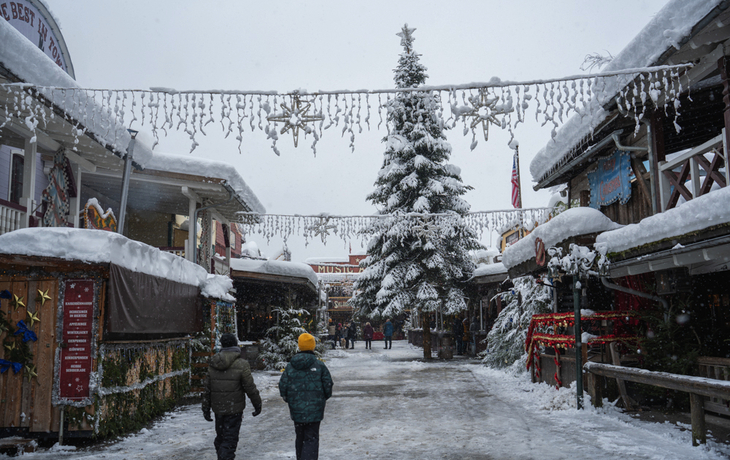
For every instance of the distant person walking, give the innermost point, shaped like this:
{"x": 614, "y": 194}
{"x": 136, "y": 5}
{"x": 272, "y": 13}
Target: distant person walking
{"x": 458, "y": 330}
{"x": 338, "y": 334}
{"x": 473, "y": 332}
{"x": 331, "y": 329}
{"x": 367, "y": 335}
{"x": 305, "y": 386}
{"x": 228, "y": 383}
{"x": 388, "y": 334}
{"x": 352, "y": 334}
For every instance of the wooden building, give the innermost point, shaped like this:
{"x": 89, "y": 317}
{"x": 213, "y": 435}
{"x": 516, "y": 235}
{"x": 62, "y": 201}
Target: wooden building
{"x": 661, "y": 172}
{"x": 95, "y": 331}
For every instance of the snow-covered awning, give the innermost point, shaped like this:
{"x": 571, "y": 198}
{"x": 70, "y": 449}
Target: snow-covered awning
{"x": 275, "y": 270}
{"x": 99, "y": 246}
{"x": 159, "y": 187}
{"x": 490, "y": 273}
{"x": 665, "y": 33}
{"x": 692, "y": 216}
{"x": 571, "y": 223}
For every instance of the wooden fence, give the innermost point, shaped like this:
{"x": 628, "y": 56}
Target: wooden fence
{"x": 697, "y": 387}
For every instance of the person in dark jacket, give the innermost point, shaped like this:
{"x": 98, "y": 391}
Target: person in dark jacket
{"x": 228, "y": 383}
{"x": 305, "y": 386}
{"x": 367, "y": 335}
{"x": 352, "y": 334}
{"x": 388, "y": 334}
{"x": 338, "y": 334}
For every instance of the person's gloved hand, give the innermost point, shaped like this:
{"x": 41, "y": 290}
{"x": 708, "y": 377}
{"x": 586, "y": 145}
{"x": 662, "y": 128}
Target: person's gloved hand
{"x": 206, "y": 415}
{"x": 256, "y": 411}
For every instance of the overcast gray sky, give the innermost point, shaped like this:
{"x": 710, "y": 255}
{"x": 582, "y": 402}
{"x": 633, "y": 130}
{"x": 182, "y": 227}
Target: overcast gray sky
{"x": 334, "y": 45}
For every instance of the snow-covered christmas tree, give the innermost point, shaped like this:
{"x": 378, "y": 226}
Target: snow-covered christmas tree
{"x": 282, "y": 340}
{"x": 416, "y": 262}
{"x": 507, "y": 337}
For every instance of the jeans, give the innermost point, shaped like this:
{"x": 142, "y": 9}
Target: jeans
{"x": 227, "y": 428}
{"x": 369, "y": 344}
{"x": 307, "y": 442}
{"x": 388, "y": 339}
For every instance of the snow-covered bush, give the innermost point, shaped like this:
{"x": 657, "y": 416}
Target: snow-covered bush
{"x": 506, "y": 340}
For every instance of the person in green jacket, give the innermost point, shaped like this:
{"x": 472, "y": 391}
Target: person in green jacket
{"x": 306, "y": 385}
{"x": 228, "y": 382}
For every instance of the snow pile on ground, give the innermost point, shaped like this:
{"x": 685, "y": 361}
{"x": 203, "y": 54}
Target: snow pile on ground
{"x": 572, "y": 222}
{"x": 100, "y": 246}
{"x": 697, "y": 214}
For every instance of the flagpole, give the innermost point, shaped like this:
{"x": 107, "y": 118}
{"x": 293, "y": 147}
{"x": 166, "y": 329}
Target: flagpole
{"x": 519, "y": 182}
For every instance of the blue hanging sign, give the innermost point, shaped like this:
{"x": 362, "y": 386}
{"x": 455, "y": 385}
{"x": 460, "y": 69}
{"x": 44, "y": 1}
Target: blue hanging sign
{"x": 610, "y": 180}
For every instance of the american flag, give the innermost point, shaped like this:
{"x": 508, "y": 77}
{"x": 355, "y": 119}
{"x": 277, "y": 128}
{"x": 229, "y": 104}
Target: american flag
{"x": 516, "y": 196}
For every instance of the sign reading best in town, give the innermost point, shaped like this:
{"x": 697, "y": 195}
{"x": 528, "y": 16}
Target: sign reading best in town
{"x": 33, "y": 22}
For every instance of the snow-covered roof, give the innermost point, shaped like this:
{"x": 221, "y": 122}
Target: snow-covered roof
{"x": 694, "y": 215}
{"x": 667, "y": 29}
{"x": 208, "y": 168}
{"x": 570, "y": 223}
{"x": 489, "y": 269}
{"x": 276, "y": 267}
{"x": 31, "y": 65}
{"x": 99, "y": 246}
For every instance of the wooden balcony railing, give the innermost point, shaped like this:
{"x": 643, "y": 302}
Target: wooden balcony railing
{"x": 11, "y": 216}
{"x": 675, "y": 174}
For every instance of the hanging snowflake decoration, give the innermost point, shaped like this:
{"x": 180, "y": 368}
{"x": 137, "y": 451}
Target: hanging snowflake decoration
{"x": 295, "y": 117}
{"x": 322, "y": 228}
{"x": 484, "y": 111}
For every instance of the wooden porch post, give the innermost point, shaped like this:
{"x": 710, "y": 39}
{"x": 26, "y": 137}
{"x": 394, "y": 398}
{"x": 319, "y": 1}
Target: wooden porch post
{"x": 697, "y": 415}
{"x": 724, "y": 65}
{"x": 30, "y": 163}
{"x": 656, "y": 154}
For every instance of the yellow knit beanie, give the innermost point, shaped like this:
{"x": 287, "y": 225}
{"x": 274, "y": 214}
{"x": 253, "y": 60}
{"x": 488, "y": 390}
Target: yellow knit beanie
{"x": 306, "y": 342}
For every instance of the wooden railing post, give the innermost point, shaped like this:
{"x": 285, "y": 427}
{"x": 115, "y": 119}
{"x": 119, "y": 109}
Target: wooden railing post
{"x": 697, "y": 415}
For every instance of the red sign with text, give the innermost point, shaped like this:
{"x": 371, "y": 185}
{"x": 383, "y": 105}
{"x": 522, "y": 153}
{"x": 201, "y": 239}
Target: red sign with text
{"x": 78, "y": 320}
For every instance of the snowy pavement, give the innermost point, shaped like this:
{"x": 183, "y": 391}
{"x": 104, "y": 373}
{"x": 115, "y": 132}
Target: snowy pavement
{"x": 388, "y": 404}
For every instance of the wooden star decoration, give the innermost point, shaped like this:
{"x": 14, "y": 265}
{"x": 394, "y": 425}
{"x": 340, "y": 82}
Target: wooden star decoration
{"x": 17, "y": 302}
{"x": 484, "y": 110}
{"x": 32, "y": 318}
{"x": 30, "y": 371}
{"x": 42, "y": 297}
{"x": 296, "y": 117}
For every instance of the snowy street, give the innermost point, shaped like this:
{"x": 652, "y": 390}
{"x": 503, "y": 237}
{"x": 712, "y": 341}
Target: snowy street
{"x": 389, "y": 404}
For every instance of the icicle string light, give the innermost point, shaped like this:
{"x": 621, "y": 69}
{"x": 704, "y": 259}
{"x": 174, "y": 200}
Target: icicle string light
{"x": 349, "y": 228}
{"x": 106, "y": 113}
